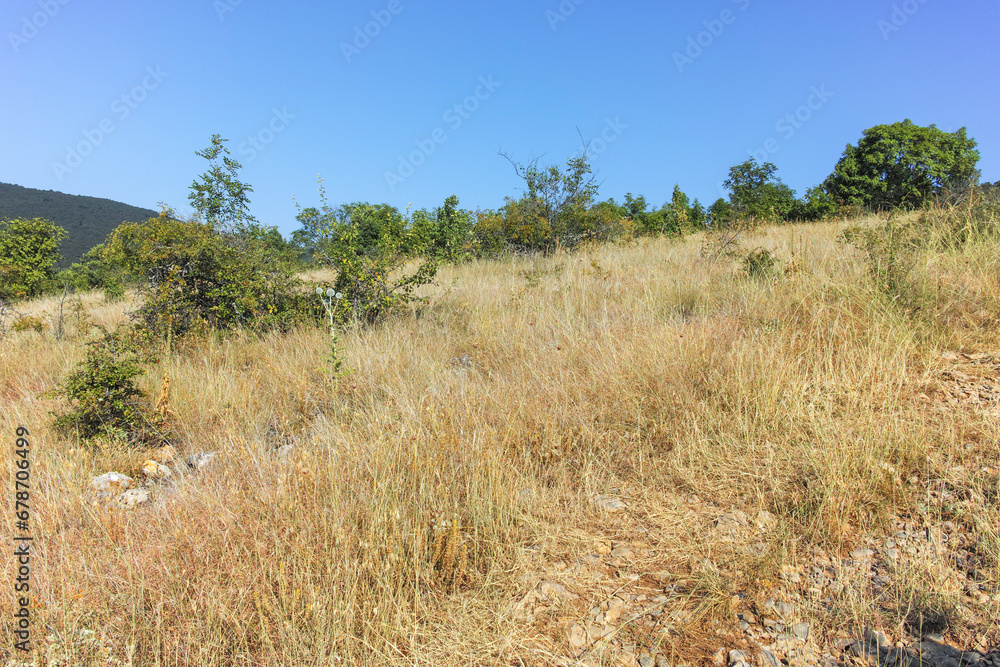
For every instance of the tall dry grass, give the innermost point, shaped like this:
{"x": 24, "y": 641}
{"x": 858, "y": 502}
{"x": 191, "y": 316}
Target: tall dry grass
{"x": 423, "y": 499}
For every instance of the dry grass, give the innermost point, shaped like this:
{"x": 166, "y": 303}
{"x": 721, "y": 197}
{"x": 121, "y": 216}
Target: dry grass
{"x": 423, "y": 500}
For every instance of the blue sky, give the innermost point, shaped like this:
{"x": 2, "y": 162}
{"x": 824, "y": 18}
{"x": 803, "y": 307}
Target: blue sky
{"x": 409, "y": 101}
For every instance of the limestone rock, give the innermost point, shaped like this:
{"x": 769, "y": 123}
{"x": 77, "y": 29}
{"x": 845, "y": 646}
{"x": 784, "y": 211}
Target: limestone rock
{"x": 609, "y": 503}
{"x": 111, "y": 484}
{"x": 200, "y": 460}
{"x": 133, "y": 498}
{"x": 154, "y": 471}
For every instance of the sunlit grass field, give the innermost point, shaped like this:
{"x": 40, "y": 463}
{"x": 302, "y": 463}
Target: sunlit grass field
{"x": 427, "y": 493}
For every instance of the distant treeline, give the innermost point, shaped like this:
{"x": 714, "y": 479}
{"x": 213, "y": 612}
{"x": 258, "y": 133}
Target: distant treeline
{"x": 893, "y": 167}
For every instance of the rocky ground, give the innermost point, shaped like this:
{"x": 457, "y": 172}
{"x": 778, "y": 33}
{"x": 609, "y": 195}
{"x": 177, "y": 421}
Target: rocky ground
{"x": 925, "y": 577}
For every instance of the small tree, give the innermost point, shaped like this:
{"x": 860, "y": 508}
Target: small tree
{"x": 697, "y": 215}
{"x": 553, "y": 207}
{"x": 218, "y": 196}
{"x": 679, "y": 208}
{"x": 29, "y": 248}
{"x": 756, "y": 193}
{"x": 368, "y": 258}
{"x": 105, "y": 400}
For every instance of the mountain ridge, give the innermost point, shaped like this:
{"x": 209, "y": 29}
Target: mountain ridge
{"x": 87, "y": 220}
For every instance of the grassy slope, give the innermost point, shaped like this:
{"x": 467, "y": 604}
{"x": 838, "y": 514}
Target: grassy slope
{"x": 644, "y": 368}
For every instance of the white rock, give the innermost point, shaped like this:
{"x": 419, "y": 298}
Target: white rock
{"x": 200, "y": 460}
{"x": 111, "y": 483}
{"x": 609, "y": 503}
{"x": 133, "y": 497}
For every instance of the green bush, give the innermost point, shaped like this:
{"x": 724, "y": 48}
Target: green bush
{"x": 195, "y": 278}
{"x": 105, "y": 401}
{"x": 28, "y": 251}
{"x": 371, "y": 270}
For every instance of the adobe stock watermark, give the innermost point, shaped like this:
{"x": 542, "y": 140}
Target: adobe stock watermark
{"x": 899, "y": 17}
{"x": 257, "y": 142}
{"x": 454, "y": 117}
{"x": 223, "y": 7}
{"x": 793, "y": 121}
{"x": 363, "y": 37}
{"x": 121, "y": 108}
{"x": 697, "y": 44}
{"x": 609, "y": 135}
{"x": 565, "y": 9}
{"x": 30, "y": 25}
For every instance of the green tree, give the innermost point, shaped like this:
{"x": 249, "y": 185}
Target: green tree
{"x": 29, "y": 248}
{"x": 903, "y": 165}
{"x": 816, "y": 204}
{"x": 219, "y": 197}
{"x": 720, "y": 214}
{"x": 756, "y": 193}
{"x": 553, "y": 207}
{"x": 366, "y": 245}
{"x": 697, "y": 215}
{"x": 680, "y": 207}
{"x": 451, "y": 231}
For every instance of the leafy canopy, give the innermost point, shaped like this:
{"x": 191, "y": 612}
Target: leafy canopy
{"x": 903, "y": 165}
{"x": 756, "y": 193}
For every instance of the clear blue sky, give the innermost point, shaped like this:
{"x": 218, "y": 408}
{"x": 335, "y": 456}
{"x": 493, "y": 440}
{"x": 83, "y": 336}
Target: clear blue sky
{"x": 112, "y": 99}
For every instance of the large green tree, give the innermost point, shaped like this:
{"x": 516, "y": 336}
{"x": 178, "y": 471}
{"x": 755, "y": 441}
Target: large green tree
{"x": 903, "y": 165}
{"x": 29, "y": 248}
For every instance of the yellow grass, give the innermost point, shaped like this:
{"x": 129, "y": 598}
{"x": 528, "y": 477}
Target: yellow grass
{"x": 424, "y": 500}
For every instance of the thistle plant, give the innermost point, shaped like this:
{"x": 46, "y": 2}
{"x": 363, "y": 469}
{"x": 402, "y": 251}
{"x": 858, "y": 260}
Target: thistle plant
{"x": 331, "y": 299}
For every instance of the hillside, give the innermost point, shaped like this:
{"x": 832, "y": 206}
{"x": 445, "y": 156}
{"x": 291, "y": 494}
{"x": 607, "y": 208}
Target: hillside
{"x": 87, "y": 220}
{"x": 636, "y": 454}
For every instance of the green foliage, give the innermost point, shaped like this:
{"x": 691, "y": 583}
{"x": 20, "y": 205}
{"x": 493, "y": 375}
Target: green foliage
{"x": 106, "y": 402}
{"x": 92, "y": 272}
{"x": 903, "y": 165}
{"x": 720, "y": 214}
{"x": 553, "y": 207}
{"x": 680, "y": 209}
{"x": 452, "y": 231}
{"x": 367, "y": 249}
{"x": 29, "y": 323}
{"x": 28, "y": 251}
{"x": 817, "y": 204}
{"x": 698, "y": 215}
{"x": 196, "y": 278}
{"x": 756, "y": 193}
{"x": 220, "y": 198}
{"x": 488, "y": 235}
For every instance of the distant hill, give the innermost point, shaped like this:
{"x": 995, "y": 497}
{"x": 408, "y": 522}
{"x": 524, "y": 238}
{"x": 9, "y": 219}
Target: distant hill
{"x": 87, "y": 220}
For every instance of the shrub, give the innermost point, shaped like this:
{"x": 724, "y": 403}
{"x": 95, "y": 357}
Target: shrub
{"x": 105, "y": 399}
{"x": 890, "y": 251}
{"x": 370, "y": 270}
{"x": 759, "y": 263}
{"x": 194, "y": 277}
{"x": 29, "y": 323}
